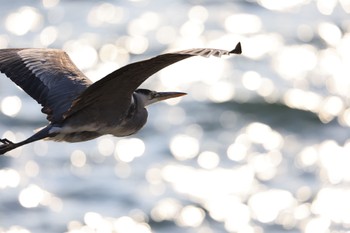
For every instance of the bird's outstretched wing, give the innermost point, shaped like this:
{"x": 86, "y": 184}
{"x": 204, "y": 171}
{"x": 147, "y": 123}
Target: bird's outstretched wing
{"x": 114, "y": 91}
{"x": 47, "y": 75}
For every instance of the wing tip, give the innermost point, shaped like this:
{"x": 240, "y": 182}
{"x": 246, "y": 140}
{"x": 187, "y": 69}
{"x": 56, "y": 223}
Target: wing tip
{"x": 237, "y": 49}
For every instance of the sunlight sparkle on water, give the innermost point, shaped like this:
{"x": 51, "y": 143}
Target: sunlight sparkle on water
{"x": 122, "y": 169}
{"x": 184, "y": 147}
{"x": 31, "y": 196}
{"x": 166, "y": 34}
{"x": 106, "y": 146}
{"x": 208, "y": 159}
{"x": 318, "y": 224}
{"x": 330, "y": 158}
{"x": 40, "y": 148}
{"x": 207, "y": 184}
{"x": 126, "y": 224}
{"x": 9, "y": 178}
{"x": 330, "y": 62}
{"x": 190, "y": 216}
{"x": 301, "y": 99}
{"x": 262, "y": 134}
{"x": 11, "y": 105}
{"x": 78, "y": 158}
{"x": 199, "y": 13}
{"x": 212, "y": 189}
{"x": 114, "y": 54}
{"x": 24, "y": 20}
{"x": 330, "y": 33}
{"x": 237, "y": 151}
{"x": 128, "y": 149}
{"x": 334, "y": 160}
{"x": 237, "y": 218}
{"x": 207, "y": 70}
{"x": 166, "y": 209}
{"x": 48, "y": 35}
{"x": 261, "y": 45}
{"x": 230, "y": 210}
{"x": 221, "y": 91}
{"x": 82, "y": 53}
{"x": 331, "y": 107}
{"x": 308, "y": 157}
{"x": 335, "y": 63}
{"x": 50, "y": 3}
{"x": 31, "y": 169}
{"x": 243, "y": 23}
{"x": 95, "y": 222}
{"x": 345, "y": 118}
{"x": 105, "y": 13}
{"x": 15, "y": 229}
{"x": 175, "y": 116}
{"x": 333, "y": 204}
{"x": 346, "y": 5}
{"x": 3, "y": 41}
{"x": 326, "y": 7}
{"x": 267, "y": 205}
{"x": 294, "y": 62}
{"x": 305, "y": 32}
{"x": 137, "y": 44}
{"x": 251, "y": 80}
{"x": 192, "y": 28}
{"x": 267, "y": 89}
{"x": 282, "y": 5}
{"x": 266, "y": 165}
{"x": 146, "y": 22}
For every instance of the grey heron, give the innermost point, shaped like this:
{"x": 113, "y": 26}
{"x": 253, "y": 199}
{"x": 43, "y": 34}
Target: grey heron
{"x": 79, "y": 110}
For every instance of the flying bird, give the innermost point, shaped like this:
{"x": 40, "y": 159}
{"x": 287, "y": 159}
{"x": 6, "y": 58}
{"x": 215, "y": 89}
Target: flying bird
{"x": 79, "y": 110}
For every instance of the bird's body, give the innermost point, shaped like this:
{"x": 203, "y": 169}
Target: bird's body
{"x": 134, "y": 120}
{"x": 79, "y": 110}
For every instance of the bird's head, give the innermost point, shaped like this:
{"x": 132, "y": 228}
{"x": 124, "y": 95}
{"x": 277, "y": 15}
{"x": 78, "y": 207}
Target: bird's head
{"x": 149, "y": 97}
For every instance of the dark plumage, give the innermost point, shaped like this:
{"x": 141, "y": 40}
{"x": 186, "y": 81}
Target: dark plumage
{"x": 79, "y": 110}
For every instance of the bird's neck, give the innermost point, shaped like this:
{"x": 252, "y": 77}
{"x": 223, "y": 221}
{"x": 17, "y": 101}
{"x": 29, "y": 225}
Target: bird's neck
{"x": 133, "y": 106}
{"x": 135, "y": 118}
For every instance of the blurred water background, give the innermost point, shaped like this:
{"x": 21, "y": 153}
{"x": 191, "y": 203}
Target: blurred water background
{"x": 260, "y": 143}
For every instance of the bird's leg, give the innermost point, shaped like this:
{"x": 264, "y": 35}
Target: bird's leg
{"x": 8, "y": 145}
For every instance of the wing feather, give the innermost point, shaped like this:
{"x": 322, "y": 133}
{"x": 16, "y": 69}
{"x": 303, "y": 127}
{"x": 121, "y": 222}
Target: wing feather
{"x": 47, "y": 75}
{"x": 113, "y": 92}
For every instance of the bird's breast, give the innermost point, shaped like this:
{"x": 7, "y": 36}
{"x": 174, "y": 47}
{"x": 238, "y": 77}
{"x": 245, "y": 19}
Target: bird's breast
{"x": 87, "y": 132}
{"x": 74, "y": 134}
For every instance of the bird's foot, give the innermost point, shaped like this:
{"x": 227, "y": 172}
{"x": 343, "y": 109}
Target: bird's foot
{"x": 6, "y": 141}
{"x": 6, "y": 145}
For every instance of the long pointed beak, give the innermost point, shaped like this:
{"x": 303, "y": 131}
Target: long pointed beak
{"x": 167, "y": 95}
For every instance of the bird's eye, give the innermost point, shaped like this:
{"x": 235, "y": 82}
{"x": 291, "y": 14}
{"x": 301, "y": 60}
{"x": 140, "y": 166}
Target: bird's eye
{"x": 153, "y": 94}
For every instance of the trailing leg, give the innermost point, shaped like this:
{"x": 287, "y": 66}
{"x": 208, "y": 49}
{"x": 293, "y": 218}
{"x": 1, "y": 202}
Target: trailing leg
{"x": 7, "y": 145}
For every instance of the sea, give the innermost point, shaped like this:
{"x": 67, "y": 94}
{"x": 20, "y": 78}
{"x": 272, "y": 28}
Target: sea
{"x": 260, "y": 143}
